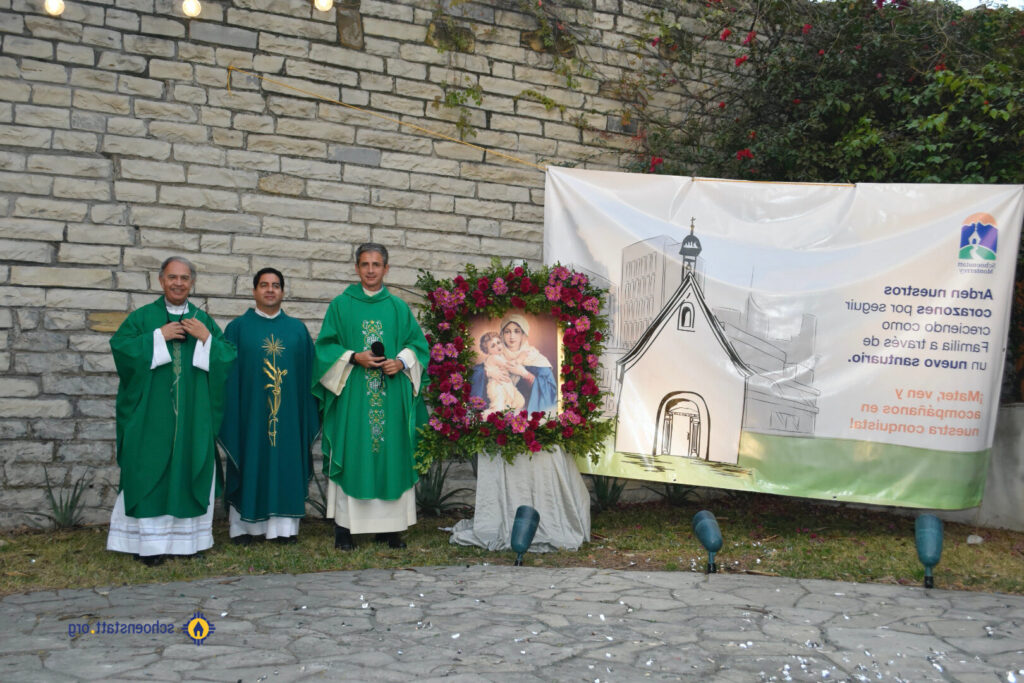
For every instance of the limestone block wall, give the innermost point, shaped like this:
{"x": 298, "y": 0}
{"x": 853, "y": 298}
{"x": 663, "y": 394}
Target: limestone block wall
{"x": 125, "y": 138}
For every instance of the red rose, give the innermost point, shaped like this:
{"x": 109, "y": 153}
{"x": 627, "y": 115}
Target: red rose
{"x": 524, "y": 286}
{"x": 483, "y": 283}
{"x": 567, "y": 432}
{"x": 518, "y": 271}
{"x": 484, "y": 431}
{"x": 517, "y": 302}
{"x": 534, "y": 446}
{"x": 501, "y": 439}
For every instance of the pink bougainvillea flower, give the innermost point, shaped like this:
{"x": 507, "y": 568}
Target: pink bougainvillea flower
{"x": 654, "y": 43}
{"x": 821, "y": 52}
{"x": 744, "y": 153}
{"x": 725, "y": 34}
{"x": 741, "y": 59}
{"x": 655, "y": 162}
{"x": 796, "y": 100}
{"x": 806, "y": 29}
{"x": 750, "y": 37}
{"x": 721, "y": 105}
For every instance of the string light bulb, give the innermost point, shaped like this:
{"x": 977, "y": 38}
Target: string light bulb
{"x": 191, "y": 8}
{"x": 54, "y": 7}
{"x": 323, "y": 5}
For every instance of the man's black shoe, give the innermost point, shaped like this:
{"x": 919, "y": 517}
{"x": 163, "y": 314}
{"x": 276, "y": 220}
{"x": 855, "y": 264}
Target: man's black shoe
{"x": 244, "y": 539}
{"x": 151, "y": 560}
{"x": 285, "y": 540}
{"x": 343, "y": 538}
{"x": 393, "y": 539}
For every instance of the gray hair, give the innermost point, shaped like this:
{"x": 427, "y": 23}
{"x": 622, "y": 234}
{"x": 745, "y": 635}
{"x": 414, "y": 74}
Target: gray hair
{"x": 372, "y": 246}
{"x": 178, "y": 259}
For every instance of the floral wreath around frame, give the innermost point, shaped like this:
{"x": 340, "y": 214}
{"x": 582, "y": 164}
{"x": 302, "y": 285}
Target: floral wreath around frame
{"x": 456, "y": 428}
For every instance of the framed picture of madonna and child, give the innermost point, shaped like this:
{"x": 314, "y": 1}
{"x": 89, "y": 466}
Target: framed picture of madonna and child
{"x": 516, "y": 363}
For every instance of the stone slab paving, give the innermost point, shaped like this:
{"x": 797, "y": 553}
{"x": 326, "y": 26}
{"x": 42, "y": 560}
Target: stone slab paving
{"x": 487, "y": 623}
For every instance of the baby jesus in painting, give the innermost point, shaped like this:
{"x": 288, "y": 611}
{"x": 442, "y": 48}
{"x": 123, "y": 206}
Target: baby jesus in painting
{"x": 502, "y": 394}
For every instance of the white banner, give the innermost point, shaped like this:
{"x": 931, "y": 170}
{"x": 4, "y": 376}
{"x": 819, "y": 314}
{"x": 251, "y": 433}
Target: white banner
{"x": 829, "y": 341}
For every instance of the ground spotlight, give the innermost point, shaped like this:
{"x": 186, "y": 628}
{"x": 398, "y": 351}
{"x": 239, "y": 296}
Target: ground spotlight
{"x": 705, "y": 527}
{"x": 523, "y": 529}
{"x": 928, "y": 539}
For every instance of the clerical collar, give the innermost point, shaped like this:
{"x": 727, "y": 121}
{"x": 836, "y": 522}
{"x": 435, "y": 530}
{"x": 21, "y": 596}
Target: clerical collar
{"x": 264, "y": 315}
{"x": 369, "y": 293}
{"x": 176, "y": 310}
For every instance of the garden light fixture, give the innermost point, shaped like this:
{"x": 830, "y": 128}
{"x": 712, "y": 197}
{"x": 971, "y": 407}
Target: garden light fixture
{"x": 705, "y": 527}
{"x": 523, "y": 529}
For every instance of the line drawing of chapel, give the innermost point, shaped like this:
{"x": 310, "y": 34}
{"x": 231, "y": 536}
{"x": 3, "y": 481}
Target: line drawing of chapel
{"x": 681, "y": 366}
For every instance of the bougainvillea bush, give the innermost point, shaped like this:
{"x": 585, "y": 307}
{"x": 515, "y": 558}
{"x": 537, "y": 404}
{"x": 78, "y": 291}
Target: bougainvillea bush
{"x": 457, "y": 428}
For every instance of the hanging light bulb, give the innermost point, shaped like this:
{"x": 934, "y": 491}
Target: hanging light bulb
{"x": 54, "y": 7}
{"x": 191, "y": 8}
{"x": 323, "y": 5}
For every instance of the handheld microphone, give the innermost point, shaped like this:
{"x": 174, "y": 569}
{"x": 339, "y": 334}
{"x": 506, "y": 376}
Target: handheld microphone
{"x": 377, "y": 348}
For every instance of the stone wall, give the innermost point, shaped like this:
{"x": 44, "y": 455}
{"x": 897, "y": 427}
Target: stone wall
{"x": 121, "y": 143}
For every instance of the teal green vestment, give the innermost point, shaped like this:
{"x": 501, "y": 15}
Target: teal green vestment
{"x": 270, "y": 420}
{"x": 167, "y": 417}
{"x": 370, "y": 430}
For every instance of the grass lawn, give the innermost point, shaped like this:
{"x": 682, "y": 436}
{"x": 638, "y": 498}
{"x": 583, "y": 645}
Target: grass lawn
{"x": 763, "y": 534}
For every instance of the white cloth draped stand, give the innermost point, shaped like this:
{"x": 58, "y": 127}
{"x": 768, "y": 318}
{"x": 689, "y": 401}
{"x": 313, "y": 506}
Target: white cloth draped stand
{"x": 548, "y": 481}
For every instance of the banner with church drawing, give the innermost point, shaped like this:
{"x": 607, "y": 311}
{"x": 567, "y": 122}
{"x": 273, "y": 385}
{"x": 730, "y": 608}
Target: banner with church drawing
{"x": 827, "y": 341}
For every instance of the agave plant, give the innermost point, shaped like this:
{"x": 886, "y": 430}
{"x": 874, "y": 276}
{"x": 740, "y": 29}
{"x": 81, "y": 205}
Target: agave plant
{"x": 431, "y": 498}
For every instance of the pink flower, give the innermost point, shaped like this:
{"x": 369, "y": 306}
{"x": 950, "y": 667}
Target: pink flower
{"x": 725, "y": 34}
{"x": 654, "y": 43}
{"x": 750, "y": 37}
{"x": 436, "y": 424}
{"x": 592, "y": 361}
{"x": 741, "y": 59}
{"x": 499, "y": 286}
{"x": 744, "y": 154}
{"x": 437, "y": 353}
{"x": 558, "y": 273}
{"x": 655, "y": 162}
{"x": 519, "y": 423}
{"x": 444, "y": 326}
{"x": 450, "y": 350}
{"x": 477, "y": 403}
{"x": 553, "y": 292}
{"x": 806, "y": 29}
{"x": 448, "y": 399}
{"x": 457, "y": 380}
{"x": 582, "y": 324}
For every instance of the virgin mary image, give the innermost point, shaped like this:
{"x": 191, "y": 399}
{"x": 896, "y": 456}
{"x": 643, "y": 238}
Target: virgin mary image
{"x": 530, "y": 369}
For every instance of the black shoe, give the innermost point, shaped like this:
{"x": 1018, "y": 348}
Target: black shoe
{"x": 244, "y": 539}
{"x": 343, "y": 538}
{"x": 285, "y": 540}
{"x": 151, "y": 560}
{"x": 393, "y": 539}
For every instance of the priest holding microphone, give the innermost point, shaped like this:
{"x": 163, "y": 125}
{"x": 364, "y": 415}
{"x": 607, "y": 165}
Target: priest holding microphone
{"x": 370, "y": 357}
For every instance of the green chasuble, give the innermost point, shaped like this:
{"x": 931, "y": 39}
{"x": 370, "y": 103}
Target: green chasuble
{"x": 167, "y": 417}
{"x": 270, "y": 420}
{"x": 370, "y": 430}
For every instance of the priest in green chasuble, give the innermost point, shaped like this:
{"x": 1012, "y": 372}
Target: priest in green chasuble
{"x": 270, "y": 419}
{"x": 172, "y": 362}
{"x": 370, "y": 356}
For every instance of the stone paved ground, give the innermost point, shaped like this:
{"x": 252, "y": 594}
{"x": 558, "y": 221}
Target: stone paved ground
{"x": 485, "y": 623}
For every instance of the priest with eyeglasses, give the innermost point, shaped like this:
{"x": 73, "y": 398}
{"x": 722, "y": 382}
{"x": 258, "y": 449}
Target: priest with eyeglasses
{"x": 172, "y": 363}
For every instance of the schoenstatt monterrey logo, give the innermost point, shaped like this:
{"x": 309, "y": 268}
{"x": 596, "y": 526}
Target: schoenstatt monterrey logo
{"x": 979, "y": 238}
